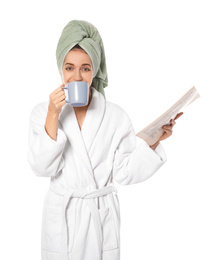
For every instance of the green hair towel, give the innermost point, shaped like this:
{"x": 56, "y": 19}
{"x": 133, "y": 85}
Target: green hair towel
{"x": 88, "y": 38}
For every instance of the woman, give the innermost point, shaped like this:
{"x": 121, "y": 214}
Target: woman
{"x": 83, "y": 150}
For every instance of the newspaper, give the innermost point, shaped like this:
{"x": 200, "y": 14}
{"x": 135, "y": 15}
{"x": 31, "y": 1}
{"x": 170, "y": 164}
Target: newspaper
{"x": 154, "y": 131}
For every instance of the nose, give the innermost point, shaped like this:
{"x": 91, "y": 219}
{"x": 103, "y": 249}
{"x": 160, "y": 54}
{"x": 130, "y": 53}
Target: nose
{"x": 78, "y": 75}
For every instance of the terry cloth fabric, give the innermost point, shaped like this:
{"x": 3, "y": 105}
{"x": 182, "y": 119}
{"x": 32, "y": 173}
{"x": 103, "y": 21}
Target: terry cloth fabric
{"x": 87, "y": 36}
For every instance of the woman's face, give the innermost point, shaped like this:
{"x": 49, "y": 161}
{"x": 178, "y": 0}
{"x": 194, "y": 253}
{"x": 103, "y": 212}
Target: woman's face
{"x": 77, "y": 66}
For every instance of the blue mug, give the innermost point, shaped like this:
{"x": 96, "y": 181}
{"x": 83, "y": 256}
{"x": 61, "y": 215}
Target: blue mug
{"x": 78, "y": 93}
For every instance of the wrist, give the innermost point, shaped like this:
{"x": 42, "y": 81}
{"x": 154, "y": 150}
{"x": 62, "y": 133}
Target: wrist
{"x": 154, "y": 145}
{"x": 53, "y": 114}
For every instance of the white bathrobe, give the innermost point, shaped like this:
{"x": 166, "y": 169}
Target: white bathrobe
{"x": 81, "y": 216}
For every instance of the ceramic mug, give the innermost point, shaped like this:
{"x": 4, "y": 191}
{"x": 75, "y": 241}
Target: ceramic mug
{"x": 78, "y": 93}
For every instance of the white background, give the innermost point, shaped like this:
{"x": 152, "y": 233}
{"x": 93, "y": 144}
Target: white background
{"x": 155, "y": 51}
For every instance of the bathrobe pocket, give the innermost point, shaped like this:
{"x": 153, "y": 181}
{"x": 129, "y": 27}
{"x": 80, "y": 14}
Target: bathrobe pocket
{"x": 52, "y": 227}
{"x": 108, "y": 229}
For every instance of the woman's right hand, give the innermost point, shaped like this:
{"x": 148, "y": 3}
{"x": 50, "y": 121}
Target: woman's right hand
{"x": 57, "y": 100}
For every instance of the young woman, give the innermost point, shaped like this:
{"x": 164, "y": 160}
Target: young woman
{"x": 83, "y": 150}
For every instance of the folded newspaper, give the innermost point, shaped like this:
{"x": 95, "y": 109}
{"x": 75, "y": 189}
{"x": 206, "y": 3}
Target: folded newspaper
{"x": 154, "y": 131}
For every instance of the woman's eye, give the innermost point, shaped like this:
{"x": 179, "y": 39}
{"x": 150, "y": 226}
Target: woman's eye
{"x": 68, "y": 68}
{"x": 86, "y": 69}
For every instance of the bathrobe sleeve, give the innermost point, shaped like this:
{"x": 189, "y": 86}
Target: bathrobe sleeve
{"x": 44, "y": 154}
{"x": 132, "y": 163}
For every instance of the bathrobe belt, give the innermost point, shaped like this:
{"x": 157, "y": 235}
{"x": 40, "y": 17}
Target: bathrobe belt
{"x": 67, "y": 195}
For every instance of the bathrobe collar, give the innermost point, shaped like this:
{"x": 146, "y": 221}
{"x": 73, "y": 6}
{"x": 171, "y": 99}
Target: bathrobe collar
{"x": 82, "y": 140}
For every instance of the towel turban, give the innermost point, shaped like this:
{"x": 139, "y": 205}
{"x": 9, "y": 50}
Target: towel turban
{"x": 88, "y": 38}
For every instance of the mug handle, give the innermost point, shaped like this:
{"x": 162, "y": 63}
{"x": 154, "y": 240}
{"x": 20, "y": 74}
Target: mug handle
{"x": 67, "y": 89}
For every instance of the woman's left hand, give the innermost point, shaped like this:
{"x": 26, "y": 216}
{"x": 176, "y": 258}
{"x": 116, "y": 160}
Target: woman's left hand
{"x": 167, "y": 130}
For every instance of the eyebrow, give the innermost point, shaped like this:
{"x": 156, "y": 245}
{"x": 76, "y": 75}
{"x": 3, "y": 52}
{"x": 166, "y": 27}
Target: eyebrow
{"x": 81, "y": 65}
